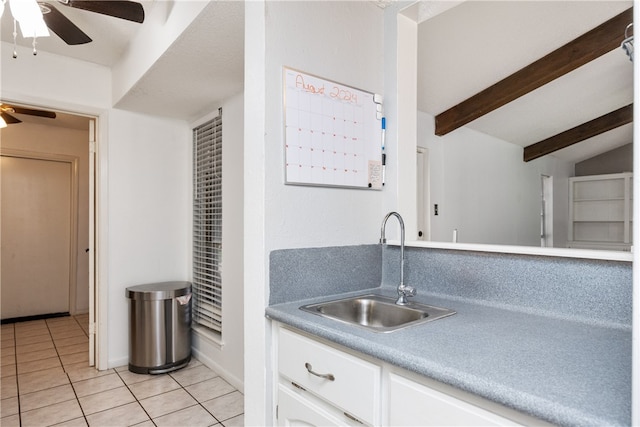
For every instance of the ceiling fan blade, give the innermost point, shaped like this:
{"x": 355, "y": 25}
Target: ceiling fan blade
{"x": 129, "y": 10}
{"x": 9, "y": 119}
{"x": 32, "y": 112}
{"x": 63, "y": 27}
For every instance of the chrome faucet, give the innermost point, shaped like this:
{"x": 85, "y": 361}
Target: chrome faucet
{"x": 403, "y": 291}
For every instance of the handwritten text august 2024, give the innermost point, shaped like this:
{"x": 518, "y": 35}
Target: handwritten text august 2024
{"x": 336, "y": 92}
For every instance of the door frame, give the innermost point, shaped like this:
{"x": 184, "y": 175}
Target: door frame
{"x": 423, "y": 194}
{"x": 99, "y": 250}
{"x": 101, "y": 242}
{"x": 92, "y": 241}
{"x": 73, "y": 243}
{"x": 546, "y": 213}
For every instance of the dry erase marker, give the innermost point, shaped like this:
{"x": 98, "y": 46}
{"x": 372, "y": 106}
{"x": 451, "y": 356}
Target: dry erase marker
{"x": 384, "y": 129}
{"x": 384, "y": 162}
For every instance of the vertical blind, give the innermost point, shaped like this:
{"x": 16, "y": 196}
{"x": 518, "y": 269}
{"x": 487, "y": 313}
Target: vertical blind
{"x": 207, "y": 224}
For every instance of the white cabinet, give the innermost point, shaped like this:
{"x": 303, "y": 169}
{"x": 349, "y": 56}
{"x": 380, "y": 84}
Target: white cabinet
{"x": 600, "y": 211}
{"x": 414, "y": 404}
{"x": 296, "y": 409}
{"x": 348, "y": 383}
{"x": 366, "y": 391}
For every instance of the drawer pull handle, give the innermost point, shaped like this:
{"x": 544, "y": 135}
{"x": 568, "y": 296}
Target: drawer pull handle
{"x": 329, "y": 377}
{"x": 351, "y": 417}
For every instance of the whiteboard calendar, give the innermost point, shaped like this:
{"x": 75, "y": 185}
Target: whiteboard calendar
{"x": 333, "y": 133}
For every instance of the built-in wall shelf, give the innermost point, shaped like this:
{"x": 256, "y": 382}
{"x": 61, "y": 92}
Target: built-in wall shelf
{"x": 600, "y": 212}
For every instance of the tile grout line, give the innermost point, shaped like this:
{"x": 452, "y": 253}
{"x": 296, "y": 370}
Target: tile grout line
{"x": 54, "y": 347}
{"x": 84, "y": 415}
{"x": 69, "y": 378}
{"x": 194, "y": 398}
{"x": 77, "y": 398}
{"x": 135, "y": 397}
{"x": 15, "y": 357}
{"x": 19, "y": 395}
{"x": 221, "y": 422}
{"x": 76, "y": 323}
{"x": 64, "y": 371}
{"x": 198, "y": 403}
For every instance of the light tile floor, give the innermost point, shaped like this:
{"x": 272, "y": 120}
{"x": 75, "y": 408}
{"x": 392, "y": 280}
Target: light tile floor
{"x": 47, "y": 380}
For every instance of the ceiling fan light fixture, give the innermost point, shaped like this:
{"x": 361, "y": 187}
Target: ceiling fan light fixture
{"x": 3, "y": 124}
{"x": 29, "y": 16}
{"x": 34, "y": 29}
{"x": 627, "y": 43}
{"x": 37, "y": 18}
{"x": 44, "y": 8}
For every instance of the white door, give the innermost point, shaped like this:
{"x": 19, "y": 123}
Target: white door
{"x": 422, "y": 196}
{"x": 36, "y": 236}
{"x": 546, "y": 212}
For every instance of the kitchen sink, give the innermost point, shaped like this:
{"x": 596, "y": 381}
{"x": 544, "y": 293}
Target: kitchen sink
{"x": 377, "y": 313}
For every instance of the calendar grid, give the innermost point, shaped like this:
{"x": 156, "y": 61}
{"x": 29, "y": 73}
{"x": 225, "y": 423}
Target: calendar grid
{"x": 330, "y": 132}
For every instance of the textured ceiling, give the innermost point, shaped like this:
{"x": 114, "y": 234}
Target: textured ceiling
{"x": 204, "y": 66}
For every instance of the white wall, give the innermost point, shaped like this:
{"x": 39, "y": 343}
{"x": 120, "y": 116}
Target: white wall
{"x": 341, "y": 41}
{"x": 228, "y": 358}
{"x": 38, "y": 138}
{"x": 486, "y": 191}
{"x": 48, "y": 79}
{"x": 164, "y": 23}
{"x": 149, "y": 212}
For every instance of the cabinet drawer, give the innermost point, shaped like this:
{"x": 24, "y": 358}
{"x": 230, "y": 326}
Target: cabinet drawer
{"x": 355, "y": 387}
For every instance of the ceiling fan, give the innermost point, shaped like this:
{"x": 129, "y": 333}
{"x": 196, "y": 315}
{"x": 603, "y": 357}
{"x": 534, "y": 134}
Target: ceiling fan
{"x": 70, "y": 33}
{"x": 7, "y": 110}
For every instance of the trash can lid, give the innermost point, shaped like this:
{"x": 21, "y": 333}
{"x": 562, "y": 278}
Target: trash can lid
{"x": 158, "y": 291}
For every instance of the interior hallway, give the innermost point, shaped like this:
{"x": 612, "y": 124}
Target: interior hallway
{"x": 46, "y": 380}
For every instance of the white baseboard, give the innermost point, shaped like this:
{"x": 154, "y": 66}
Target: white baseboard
{"x": 116, "y": 363}
{"x": 236, "y": 382}
{"x": 200, "y": 354}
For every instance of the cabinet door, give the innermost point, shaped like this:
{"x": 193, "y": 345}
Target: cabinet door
{"x": 294, "y": 410}
{"x": 414, "y": 404}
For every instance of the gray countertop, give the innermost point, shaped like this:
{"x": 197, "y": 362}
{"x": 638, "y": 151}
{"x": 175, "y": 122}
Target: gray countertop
{"x": 562, "y": 371}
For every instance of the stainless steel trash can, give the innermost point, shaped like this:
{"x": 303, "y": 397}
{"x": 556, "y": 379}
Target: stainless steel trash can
{"x": 159, "y": 327}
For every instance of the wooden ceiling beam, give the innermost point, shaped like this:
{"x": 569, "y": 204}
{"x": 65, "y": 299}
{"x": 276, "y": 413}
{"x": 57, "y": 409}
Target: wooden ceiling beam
{"x": 602, "y": 124}
{"x": 561, "y": 61}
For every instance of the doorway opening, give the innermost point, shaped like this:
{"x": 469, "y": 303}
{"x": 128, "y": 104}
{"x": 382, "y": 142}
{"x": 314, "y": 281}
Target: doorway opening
{"x": 48, "y": 227}
{"x": 423, "y": 192}
{"x": 546, "y": 211}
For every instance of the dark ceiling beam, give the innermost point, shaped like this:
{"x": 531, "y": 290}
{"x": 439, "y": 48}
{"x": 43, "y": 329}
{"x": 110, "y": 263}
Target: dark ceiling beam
{"x": 587, "y": 130}
{"x": 572, "y": 55}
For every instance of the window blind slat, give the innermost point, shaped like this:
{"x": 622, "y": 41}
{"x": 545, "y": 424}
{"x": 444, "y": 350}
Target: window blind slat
{"x": 207, "y": 225}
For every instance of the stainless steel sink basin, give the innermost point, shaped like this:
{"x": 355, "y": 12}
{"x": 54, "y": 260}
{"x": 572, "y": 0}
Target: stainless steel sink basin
{"x": 377, "y": 313}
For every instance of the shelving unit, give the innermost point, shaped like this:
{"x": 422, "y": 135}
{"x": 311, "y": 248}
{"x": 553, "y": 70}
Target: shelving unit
{"x": 600, "y": 212}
